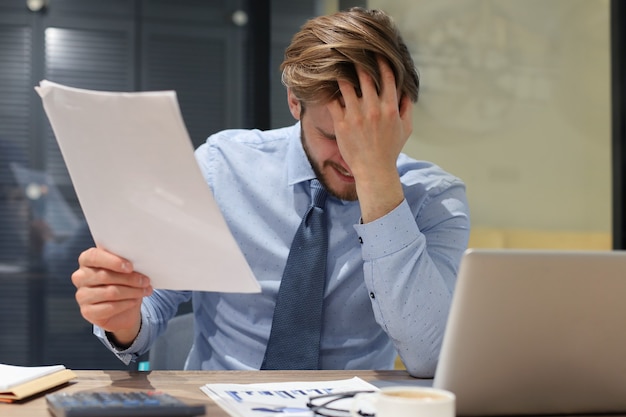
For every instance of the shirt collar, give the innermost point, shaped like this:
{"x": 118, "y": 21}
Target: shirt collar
{"x": 298, "y": 166}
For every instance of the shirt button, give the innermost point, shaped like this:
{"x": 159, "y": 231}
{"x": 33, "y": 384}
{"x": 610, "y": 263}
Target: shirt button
{"x": 360, "y": 240}
{"x": 372, "y": 295}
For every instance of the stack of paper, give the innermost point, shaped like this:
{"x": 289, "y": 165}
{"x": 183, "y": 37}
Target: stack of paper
{"x": 19, "y": 382}
{"x": 142, "y": 192}
{"x": 282, "y": 398}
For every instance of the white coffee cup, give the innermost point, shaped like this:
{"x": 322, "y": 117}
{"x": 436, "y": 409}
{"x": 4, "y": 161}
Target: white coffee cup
{"x": 405, "y": 401}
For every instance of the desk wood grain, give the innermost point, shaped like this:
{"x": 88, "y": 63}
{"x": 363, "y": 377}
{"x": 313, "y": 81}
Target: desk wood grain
{"x": 186, "y": 385}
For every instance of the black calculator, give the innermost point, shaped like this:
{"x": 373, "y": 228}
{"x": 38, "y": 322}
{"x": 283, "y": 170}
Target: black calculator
{"x": 120, "y": 404}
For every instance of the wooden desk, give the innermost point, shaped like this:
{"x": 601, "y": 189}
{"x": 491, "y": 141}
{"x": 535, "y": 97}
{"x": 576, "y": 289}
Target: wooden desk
{"x": 186, "y": 384}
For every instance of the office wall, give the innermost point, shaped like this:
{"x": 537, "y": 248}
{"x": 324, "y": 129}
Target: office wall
{"x": 515, "y": 100}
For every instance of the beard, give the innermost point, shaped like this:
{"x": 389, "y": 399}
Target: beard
{"x": 346, "y": 194}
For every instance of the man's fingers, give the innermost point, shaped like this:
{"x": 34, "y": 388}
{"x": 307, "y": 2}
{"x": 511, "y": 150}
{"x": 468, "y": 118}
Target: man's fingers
{"x": 110, "y": 293}
{"x": 98, "y": 267}
{"x": 348, "y": 94}
{"x": 388, "y": 81}
{"x": 94, "y": 277}
{"x": 370, "y": 97}
{"x": 367, "y": 84}
{"x": 335, "y": 108}
{"x": 112, "y": 316}
{"x": 100, "y": 258}
{"x": 406, "y": 115}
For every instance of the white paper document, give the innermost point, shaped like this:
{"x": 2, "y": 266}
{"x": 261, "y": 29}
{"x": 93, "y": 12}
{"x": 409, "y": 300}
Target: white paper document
{"x": 141, "y": 190}
{"x": 280, "y": 398}
{"x": 11, "y": 375}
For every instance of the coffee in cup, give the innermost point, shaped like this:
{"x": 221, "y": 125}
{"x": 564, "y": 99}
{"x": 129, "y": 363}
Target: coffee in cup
{"x": 406, "y": 401}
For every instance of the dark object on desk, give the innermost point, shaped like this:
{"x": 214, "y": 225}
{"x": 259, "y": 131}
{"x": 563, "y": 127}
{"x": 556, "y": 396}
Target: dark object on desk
{"x": 537, "y": 332}
{"x": 325, "y": 404}
{"x": 120, "y": 404}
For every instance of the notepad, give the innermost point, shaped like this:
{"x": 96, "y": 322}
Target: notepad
{"x": 19, "y": 382}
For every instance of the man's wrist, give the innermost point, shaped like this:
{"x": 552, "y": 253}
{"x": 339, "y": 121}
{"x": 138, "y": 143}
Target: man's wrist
{"x": 122, "y": 342}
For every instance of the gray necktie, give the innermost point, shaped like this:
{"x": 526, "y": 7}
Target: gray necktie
{"x": 296, "y": 328}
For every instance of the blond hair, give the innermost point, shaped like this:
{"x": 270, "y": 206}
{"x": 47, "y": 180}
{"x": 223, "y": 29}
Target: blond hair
{"x": 327, "y": 48}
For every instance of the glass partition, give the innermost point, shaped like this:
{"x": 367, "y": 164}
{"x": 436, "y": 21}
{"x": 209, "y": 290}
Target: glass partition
{"x": 515, "y": 99}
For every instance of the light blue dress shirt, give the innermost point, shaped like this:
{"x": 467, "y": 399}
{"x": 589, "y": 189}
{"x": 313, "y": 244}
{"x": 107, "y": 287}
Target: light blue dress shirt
{"x": 389, "y": 282}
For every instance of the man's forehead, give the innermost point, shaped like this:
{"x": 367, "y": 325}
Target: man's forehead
{"x": 318, "y": 117}
{"x": 325, "y": 133}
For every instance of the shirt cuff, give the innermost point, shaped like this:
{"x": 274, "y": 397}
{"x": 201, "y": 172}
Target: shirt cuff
{"x": 388, "y": 234}
{"x": 129, "y": 354}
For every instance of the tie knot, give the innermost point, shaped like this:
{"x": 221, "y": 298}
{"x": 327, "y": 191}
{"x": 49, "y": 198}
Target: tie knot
{"x": 318, "y": 194}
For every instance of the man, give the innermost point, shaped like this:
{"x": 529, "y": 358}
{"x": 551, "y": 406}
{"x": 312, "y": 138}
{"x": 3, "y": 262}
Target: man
{"x": 396, "y": 227}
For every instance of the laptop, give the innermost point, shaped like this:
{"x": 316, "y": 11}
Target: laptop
{"x": 537, "y": 332}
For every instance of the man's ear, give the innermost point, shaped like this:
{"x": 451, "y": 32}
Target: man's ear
{"x": 295, "y": 107}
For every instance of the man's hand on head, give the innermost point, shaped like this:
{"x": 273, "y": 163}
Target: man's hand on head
{"x": 371, "y": 131}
